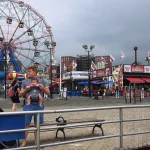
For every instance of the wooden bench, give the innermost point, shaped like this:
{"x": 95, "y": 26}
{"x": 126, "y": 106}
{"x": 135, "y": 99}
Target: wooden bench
{"x": 85, "y": 93}
{"x": 135, "y": 95}
{"x": 72, "y": 124}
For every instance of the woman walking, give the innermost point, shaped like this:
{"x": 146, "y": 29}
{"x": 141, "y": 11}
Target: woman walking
{"x": 15, "y": 97}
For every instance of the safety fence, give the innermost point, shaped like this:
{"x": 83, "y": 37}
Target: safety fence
{"x": 120, "y": 120}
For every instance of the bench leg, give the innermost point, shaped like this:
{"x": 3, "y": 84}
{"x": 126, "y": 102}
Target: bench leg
{"x": 62, "y": 130}
{"x": 100, "y": 126}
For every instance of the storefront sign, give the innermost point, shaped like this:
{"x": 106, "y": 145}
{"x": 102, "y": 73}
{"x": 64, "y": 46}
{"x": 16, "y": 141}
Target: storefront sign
{"x": 146, "y": 69}
{"x": 137, "y": 68}
{"x": 101, "y": 73}
{"x": 75, "y": 75}
{"x": 127, "y": 68}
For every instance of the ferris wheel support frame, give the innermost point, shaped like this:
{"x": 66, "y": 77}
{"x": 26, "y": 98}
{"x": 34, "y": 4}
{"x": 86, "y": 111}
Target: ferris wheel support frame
{"x": 12, "y": 58}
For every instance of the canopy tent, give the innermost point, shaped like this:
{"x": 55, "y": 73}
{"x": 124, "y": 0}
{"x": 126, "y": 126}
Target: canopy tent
{"x": 111, "y": 82}
{"x": 103, "y": 82}
{"x": 83, "y": 82}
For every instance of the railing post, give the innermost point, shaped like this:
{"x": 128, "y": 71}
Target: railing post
{"x": 121, "y": 128}
{"x": 38, "y": 131}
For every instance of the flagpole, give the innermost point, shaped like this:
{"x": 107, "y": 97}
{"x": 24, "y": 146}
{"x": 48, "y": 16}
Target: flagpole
{"x": 60, "y": 74}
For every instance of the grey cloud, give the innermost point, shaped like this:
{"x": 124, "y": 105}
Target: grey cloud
{"x": 111, "y": 25}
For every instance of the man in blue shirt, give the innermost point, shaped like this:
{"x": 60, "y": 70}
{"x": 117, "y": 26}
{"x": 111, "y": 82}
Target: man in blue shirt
{"x": 43, "y": 85}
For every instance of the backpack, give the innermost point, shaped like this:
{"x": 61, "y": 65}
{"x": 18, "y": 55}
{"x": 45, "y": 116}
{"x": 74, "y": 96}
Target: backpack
{"x": 11, "y": 92}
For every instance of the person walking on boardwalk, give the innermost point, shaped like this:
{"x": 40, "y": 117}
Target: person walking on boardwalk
{"x": 15, "y": 97}
{"x": 34, "y": 106}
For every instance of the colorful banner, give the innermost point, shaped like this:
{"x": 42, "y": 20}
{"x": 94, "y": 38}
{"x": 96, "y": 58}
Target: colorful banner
{"x": 115, "y": 73}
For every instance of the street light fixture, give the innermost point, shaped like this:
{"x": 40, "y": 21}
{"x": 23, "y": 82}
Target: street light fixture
{"x": 89, "y": 64}
{"x": 47, "y": 44}
{"x": 148, "y": 60}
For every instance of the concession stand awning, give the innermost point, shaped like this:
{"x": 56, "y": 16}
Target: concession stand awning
{"x": 146, "y": 79}
{"x": 135, "y": 80}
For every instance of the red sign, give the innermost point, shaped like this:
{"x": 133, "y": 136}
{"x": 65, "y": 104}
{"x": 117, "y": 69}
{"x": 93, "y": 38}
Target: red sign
{"x": 101, "y": 73}
{"x": 137, "y": 68}
{"x": 127, "y": 68}
{"x": 146, "y": 69}
{"x": 53, "y": 71}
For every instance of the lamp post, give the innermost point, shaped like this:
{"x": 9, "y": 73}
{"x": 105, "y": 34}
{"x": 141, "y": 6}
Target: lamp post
{"x": 47, "y": 43}
{"x": 89, "y": 64}
{"x": 135, "y": 49}
{"x": 6, "y": 48}
{"x": 148, "y": 60}
{"x": 5, "y": 72}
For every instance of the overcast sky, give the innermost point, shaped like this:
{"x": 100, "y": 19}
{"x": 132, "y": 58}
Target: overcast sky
{"x": 110, "y": 25}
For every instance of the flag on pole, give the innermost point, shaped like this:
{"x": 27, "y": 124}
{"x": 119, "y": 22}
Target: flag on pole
{"x": 112, "y": 59}
{"x": 122, "y": 56}
{"x": 93, "y": 66}
{"x": 103, "y": 60}
{"x": 74, "y": 64}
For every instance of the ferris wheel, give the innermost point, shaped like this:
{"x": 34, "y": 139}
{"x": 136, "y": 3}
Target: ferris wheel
{"x": 25, "y": 37}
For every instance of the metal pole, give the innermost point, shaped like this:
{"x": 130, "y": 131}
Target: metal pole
{"x": 89, "y": 75}
{"x": 135, "y": 49}
{"x": 71, "y": 83}
{"x": 108, "y": 81}
{"x": 121, "y": 128}
{"x": 38, "y": 131}
{"x": 135, "y": 56}
{"x": 51, "y": 92}
{"x": 60, "y": 74}
{"x": 5, "y": 72}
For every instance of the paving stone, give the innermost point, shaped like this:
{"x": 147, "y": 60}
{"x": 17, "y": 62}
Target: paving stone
{"x": 109, "y": 129}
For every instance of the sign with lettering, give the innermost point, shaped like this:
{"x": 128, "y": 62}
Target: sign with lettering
{"x": 101, "y": 72}
{"x": 127, "y": 68}
{"x": 137, "y": 68}
{"x": 75, "y": 75}
{"x": 146, "y": 69}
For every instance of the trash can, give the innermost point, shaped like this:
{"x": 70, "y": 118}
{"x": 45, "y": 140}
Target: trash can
{"x": 78, "y": 93}
{"x": 91, "y": 93}
{"x": 120, "y": 93}
{"x": 68, "y": 93}
{"x": 74, "y": 93}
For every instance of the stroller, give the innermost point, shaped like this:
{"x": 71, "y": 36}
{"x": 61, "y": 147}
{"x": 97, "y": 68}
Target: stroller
{"x": 8, "y": 144}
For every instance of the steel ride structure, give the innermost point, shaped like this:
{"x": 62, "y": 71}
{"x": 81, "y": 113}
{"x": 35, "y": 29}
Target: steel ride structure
{"x": 25, "y": 37}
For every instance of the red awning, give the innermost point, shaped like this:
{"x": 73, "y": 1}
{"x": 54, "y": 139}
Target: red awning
{"x": 135, "y": 80}
{"x": 95, "y": 80}
{"x": 146, "y": 79}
